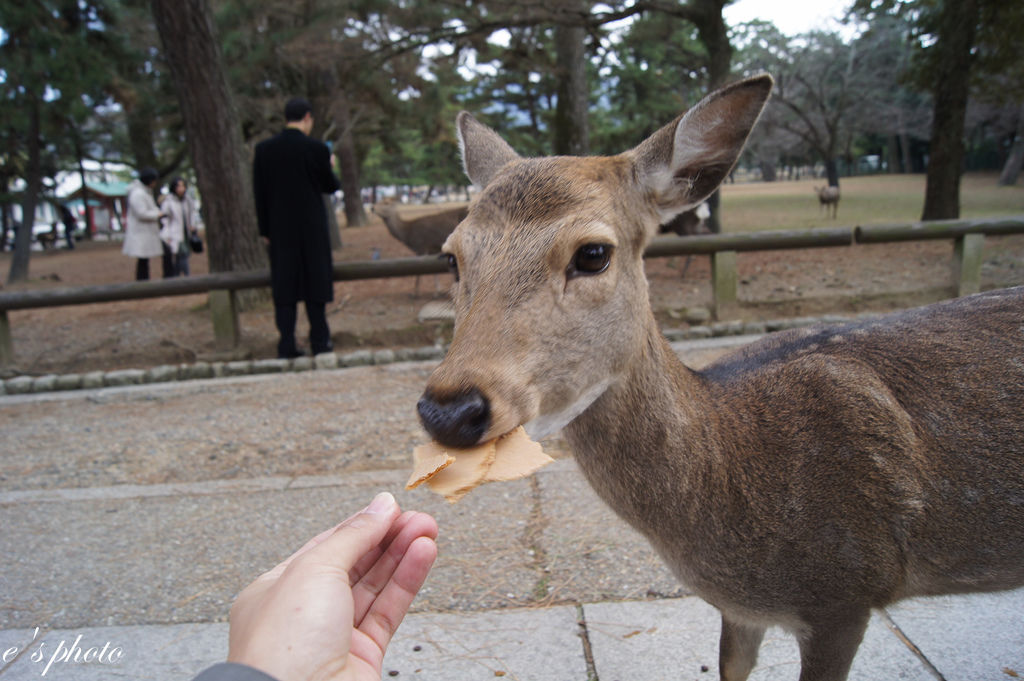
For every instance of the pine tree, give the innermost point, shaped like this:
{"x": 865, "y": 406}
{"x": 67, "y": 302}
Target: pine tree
{"x": 215, "y": 138}
{"x": 55, "y": 57}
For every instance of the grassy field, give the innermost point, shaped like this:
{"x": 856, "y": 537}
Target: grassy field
{"x": 865, "y": 200}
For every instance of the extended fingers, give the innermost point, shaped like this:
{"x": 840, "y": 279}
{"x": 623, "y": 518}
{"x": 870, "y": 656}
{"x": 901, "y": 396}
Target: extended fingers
{"x": 383, "y": 571}
{"x": 388, "y": 608}
{"x": 371, "y": 557}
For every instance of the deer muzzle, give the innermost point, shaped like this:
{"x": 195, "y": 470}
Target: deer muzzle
{"x": 457, "y": 419}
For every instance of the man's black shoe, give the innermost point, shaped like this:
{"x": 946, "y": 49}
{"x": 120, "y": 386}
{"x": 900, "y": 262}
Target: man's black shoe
{"x": 319, "y": 350}
{"x": 291, "y": 354}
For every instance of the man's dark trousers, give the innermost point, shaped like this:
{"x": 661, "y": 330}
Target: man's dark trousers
{"x": 319, "y": 334}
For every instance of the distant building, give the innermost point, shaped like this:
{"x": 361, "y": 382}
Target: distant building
{"x": 104, "y": 206}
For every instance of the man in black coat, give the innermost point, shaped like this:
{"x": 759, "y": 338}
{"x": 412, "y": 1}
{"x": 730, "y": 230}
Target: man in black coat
{"x": 291, "y": 173}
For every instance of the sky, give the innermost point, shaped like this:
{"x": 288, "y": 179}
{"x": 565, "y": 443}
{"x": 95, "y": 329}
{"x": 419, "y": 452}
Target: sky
{"x": 789, "y": 16}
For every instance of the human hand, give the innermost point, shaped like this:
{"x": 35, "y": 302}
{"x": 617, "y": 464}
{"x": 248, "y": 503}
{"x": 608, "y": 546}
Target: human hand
{"x": 330, "y": 610}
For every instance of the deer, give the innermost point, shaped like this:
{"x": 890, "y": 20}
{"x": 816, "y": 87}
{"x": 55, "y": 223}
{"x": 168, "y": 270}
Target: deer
{"x": 689, "y": 223}
{"x": 828, "y": 196}
{"x": 424, "y": 235}
{"x": 802, "y": 481}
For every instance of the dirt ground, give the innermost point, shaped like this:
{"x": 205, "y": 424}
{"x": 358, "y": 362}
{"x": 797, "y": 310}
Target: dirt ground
{"x": 383, "y": 312}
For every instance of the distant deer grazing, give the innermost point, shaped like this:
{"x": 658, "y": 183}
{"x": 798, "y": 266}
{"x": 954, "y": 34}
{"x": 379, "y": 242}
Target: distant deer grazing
{"x": 828, "y": 196}
{"x": 689, "y": 223}
{"x": 800, "y": 482}
{"x": 424, "y": 235}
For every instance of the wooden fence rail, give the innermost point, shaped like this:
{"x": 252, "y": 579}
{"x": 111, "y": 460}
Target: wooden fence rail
{"x": 968, "y": 236}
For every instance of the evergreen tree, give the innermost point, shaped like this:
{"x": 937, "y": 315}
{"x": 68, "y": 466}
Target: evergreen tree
{"x": 957, "y": 42}
{"x": 215, "y": 138}
{"x": 54, "y": 59}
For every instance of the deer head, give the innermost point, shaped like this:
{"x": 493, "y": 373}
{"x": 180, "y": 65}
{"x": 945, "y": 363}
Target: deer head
{"x": 550, "y": 294}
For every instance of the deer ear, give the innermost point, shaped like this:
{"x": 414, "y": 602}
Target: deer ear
{"x": 483, "y": 150}
{"x": 684, "y": 162}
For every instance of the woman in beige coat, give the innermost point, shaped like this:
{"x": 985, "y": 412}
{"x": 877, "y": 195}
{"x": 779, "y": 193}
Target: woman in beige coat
{"x": 181, "y": 223}
{"x": 142, "y": 231}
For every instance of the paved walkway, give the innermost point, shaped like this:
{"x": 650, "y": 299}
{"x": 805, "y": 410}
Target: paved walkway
{"x": 130, "y": 517}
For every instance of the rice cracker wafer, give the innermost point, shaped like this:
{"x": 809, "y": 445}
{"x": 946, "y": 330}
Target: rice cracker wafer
{"x": 427, "y": 461}
{"x": 466, "y": 472}
{"x": 516, "y": 457}
{"x": 453, "y": 473}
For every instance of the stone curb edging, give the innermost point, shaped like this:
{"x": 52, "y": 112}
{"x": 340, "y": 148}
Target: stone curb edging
{"x": 20, "y": 385}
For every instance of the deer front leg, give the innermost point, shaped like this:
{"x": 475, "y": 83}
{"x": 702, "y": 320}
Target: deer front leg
{"x": 737, "y": 649}
{"x": 827, "y": 651}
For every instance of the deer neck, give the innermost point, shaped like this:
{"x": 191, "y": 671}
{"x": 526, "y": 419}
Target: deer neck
{"x": 643, "y": 446}
{"x": 394, "y": 224}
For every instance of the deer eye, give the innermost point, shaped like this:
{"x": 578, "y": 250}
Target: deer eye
{"x": 453, "y": 264}
{"x": 590, "y": 259}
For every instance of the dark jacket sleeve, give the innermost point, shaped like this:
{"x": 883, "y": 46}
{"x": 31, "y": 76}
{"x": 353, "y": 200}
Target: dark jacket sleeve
{"x": 328, "y": 180}
{"x": 229, "y": 671}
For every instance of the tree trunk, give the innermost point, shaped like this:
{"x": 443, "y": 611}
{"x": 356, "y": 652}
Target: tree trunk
{"x": 215, "y": 139}
{"x": 333, "y": 231}
{"x": 1011, "y": 169}
{"x": 34, "y": 182}
{"x": 904, "y": 143}
{"x": 348, "y": 166}
{"x": 140, "y": 134}
{"x": 892, "y": 155}
{"x": 908, "y": 160}
{"x": 79, "y": 156}
{"x": 832, "y": 171}
{"x": 5, "y": 220}
{"x": 957, "y": 26}
{"x": 714, "y": 34}
{"x": 572, "y": 131}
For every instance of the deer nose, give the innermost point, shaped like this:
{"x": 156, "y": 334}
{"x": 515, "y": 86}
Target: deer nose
{"x": 459, "y": 420}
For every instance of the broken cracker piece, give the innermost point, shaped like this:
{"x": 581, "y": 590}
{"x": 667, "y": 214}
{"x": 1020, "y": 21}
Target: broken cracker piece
{"x": 516, "y": 457}
{"x": 428, "y": 460}
{"x": 453, "y": 473}
{"x": 465, "y": 473}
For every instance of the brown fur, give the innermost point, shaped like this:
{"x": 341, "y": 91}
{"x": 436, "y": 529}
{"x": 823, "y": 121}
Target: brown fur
{"x": 800, "y": 482}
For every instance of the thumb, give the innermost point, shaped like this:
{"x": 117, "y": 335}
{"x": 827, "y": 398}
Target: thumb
{"x": 358, "y": 535}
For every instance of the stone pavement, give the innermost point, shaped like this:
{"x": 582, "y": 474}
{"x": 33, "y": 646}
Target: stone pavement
{"x": 130, "y": 517}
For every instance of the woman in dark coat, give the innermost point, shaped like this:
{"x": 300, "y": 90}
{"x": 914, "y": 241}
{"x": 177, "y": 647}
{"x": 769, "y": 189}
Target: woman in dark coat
{"x": 291, "y": 173}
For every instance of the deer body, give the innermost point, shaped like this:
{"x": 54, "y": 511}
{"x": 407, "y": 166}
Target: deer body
{"x": 800, "y": 482}
{"x": 828, "y": 196}
{"x": 830, "y": 461}
{"x": 424, "y": 235}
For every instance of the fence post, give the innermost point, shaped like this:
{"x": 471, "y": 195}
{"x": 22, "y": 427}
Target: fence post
{"x": 967, "y": 259}
{"x": 723, "y": 284}
{"x": 224, "y": 310}
{"x": 6, "y": 344}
